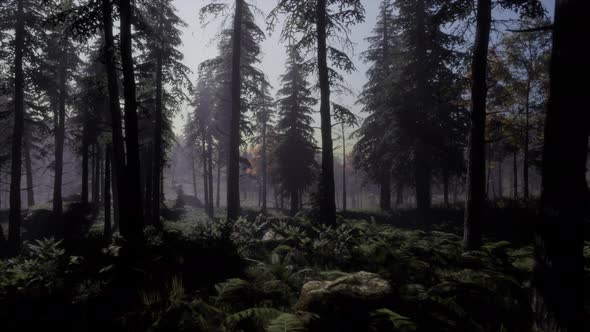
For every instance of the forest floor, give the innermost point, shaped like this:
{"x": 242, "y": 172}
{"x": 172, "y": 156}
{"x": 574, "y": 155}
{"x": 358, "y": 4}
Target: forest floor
{"x": 372, "y": 272}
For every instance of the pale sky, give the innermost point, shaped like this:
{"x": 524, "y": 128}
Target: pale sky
{"x": 199, "y": 45}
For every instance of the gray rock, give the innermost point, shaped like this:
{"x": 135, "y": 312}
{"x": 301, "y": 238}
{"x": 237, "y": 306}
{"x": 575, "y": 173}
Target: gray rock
{"x": 344, "y": 304}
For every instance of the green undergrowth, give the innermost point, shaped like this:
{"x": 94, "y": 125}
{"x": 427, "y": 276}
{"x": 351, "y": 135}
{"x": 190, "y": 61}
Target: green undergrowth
{"x": 203, "y": 275}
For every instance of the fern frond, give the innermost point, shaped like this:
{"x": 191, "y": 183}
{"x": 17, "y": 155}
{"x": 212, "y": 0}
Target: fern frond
{"x": 286, "y": 323}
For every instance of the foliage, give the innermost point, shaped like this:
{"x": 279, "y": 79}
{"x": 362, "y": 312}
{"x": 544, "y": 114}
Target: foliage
{"x": 40, "y": 270}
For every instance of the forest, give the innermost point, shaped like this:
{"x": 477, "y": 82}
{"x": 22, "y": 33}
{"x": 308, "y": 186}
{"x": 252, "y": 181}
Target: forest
{"x": 294, "y": 165}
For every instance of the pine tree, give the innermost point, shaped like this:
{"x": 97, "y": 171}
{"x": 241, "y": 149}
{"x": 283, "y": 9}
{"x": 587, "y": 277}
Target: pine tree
{"x": 159, "y": 30}
{"x": 374, "y": 151}
{"x": 310, "y": 24}
{"x": 294, "y": 153}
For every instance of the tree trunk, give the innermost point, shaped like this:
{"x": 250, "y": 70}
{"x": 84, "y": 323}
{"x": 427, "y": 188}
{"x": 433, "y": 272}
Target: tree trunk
{"x": 120, "y": 190}
{"x": 107, "y": 194}
{"x": 14, "y": 217}
{"x": 162, "y": 192}
{"x": 343, "y": 168}
{"x": 210, "y": 175}
{"x": 29, "y": 171}
{"x": 157, "y": 152}
{"x": 294, "y": 202}
{"x": 96, "y": 176}
{"x": 131, "y": 132}
{"x": 558, "y": 281}
{"x": 264, "y": 167}
{"x": 149, "y": 178}
{"x": 399, "y": 195}
{"x": 475, "y": 199}
{"x": 218, "y": 192}
{"x": 206, "y": 183}
{"x": 115, "y": 190}
{"x": 500, "y": 180}
{"x": 515, "y": 175}
{"x": 60, "y": 135}
{"x": 422, "y": 172}
{"x": 233, "y": 165}
{"x": 84, "y": 194}
{"x": 385, "y": 192}
{"x": 327, "y": 190}
{"x": 525, "y": 159}
{"x": 446, "y": 187}
{"x": 194, "y": 175}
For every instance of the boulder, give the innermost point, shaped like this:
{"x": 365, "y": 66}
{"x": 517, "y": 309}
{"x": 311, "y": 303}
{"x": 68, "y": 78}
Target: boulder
{"x": 344, "y": 304}
{"x": 271, "y": 235}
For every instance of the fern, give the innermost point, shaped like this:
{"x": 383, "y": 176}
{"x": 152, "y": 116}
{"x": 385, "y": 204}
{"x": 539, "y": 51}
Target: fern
{"x": 286, "y": 323}
{"x": 399, "y": 322}
{"x": 232, "y": 290}
{"x": 261, "y": 316}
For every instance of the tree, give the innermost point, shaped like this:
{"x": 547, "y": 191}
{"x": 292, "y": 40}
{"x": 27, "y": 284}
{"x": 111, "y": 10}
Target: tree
{"x": 374, "y": 151}
{"x": 135, "y": 222}
{"x": 310, "y": 25}
{"x": 294, "y": 164}
{"x": 227, "y": 75}
{"x": 19, "y": 115}
{"x": 120, "y": 187}
{"x": 263, "y": 105}
{"x": 158, "y": 26}
{"x": 233, "y": 167}
{"x": 476, "y": 180}
{"x": 476, "y": 150}
{"x": 559, "y": 263}
{"x": 59, "y": 62}
{"x": 525, "y": 56}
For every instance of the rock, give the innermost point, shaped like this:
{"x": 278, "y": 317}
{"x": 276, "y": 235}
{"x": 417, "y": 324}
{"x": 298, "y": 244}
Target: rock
{"x": 344, "y": 304}
{"x": 271, "y": 235}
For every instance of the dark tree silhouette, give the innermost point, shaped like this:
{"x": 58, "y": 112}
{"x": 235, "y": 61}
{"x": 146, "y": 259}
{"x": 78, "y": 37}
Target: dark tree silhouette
{"x": 559, "y": 262}
{"x": 233, "y": 167}
{"x": 15, "y": 217}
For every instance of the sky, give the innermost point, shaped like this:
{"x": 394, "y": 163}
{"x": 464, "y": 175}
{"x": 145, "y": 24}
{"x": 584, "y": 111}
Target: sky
{"x": 199, "y": 44}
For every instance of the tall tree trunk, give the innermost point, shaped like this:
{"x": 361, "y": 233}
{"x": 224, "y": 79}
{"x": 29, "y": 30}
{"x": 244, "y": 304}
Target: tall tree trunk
{"x": 233, "y": 165}
{"x": 206, "y": 183}
{"x": 148, "y": 165}
{"x": 475, "y": 200}
{"x": 385, "y": 192}
{"x": 115, "y": 190}
{"x": 194, "y": 175}
{"x": 343, "y": 168}
{"x": 446, "y": 181}
{"x": 515, "y": 175}
{"x": 294, "y": 202}
{"x": 14, "y": 217}
{"x": 264, "y": 167}
{"x": 327, "y": 189}
{"x": 162, "y": 192}
{"x": 96, "y": 176}
{"x": 500, "y": 180}
{"x": 120, "y": 189}
{"x": 422, "y": 172}
{"x": 525, "y": 159}
{"x": 60, "y": 135}
{"x": 218, "y": 192}
{"x": 210, "y": 175}
{"x": 131, "y": 132}
{"x": 29, "y": 171}
{"x": 399, "y": 195}
{"x": 84, "y": 194}
{"x": 157, "y": 151}
{"x": 558, "y": 281}
{"x": 107, "y": 194}
{"x": 489, "y": 183}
